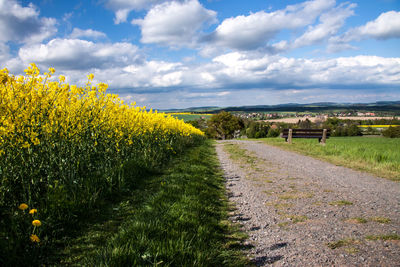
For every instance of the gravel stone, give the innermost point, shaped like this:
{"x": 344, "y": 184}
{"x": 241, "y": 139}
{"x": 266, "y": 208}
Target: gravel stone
{"x": 293, "y": 206}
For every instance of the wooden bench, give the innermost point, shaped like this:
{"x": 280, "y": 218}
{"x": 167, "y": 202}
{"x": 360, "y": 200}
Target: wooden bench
{"x": 321, "y": 134}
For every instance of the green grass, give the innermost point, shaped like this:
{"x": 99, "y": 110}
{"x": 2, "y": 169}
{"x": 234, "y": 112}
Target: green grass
{"x": 342, "y": 243}
{"x": 297, "y": 218}
{"x": 177, "y": 218}
{"x": 357, "y": 220}
{"x": 239, "y": 154}
{"x": 340, "y": 203}
{"x": 377, "y": 155}
{"x": 191, "y": 117}
{"x": 295, "y": 195}
{"x": 383, "y": 237}
{"x": 380, "y": 219}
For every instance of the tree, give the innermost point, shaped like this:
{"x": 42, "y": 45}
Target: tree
{"x": 306, "y": 124}
{"x": 222, "y": 125}
{"x": 392, "y": 132}
{"x": 353, "y": 130}
{"x": 257, "y": 130}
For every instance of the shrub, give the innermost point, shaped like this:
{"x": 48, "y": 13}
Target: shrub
{"x": 392, "y": 132}
{"x": 347, "y": 130}
{"x": 273, "y": 132}
{"x": 353, "y": 130}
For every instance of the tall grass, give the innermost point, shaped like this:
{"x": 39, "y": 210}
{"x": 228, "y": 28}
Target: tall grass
{"x": 176, "y": 218}
{"x": 377, "y": 155}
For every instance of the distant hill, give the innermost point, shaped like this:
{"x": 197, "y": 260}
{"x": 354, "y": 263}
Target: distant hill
{"x": 383, "y": 106}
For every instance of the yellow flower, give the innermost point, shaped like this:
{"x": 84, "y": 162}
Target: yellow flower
{"x": 33, "y": 211}
{"x": 3, "y": 78}
{"x": 62, "y": 78}
{"x": 36, "y": 223}
{"x": 23, "y": 206}
{"x": 90, "y": 76}
{"x": 52, "y": 70}
{"x": 35, "y": 238}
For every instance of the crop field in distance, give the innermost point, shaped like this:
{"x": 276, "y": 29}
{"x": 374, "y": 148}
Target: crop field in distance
{"x": 189, "y": 116}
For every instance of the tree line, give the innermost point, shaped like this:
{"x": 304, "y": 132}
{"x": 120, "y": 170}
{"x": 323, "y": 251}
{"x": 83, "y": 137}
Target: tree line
{"x": 225, "y": 125}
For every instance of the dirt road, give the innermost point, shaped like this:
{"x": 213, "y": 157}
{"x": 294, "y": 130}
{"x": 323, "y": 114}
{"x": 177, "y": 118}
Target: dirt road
{"x": 299, "y": 211}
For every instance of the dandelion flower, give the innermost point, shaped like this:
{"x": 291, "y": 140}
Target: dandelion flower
{"x": 23, "y": 206}
{"x": 33, "y": 211}
{"x": 36, "y": 223}
{"x": 35, "y": 238}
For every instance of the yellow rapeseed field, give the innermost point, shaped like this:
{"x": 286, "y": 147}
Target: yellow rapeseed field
{"x": 63, "y": 147}
{"x": 33, "y": 108}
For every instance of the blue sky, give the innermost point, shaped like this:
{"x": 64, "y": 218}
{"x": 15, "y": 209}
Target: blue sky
{"x": 186, "y": 53}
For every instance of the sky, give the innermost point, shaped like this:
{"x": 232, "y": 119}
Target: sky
{"x": 189, "y": 53}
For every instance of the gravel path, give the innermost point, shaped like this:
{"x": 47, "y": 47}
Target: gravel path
{"x": 299, "y": 211}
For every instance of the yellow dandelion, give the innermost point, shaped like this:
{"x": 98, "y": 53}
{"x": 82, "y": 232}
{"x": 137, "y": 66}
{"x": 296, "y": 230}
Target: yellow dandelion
{"x": 35, "y": 238}
{"x": 33, "y": 211}
{"x": 36, "y": 223}
{"x": 23, "y": 206}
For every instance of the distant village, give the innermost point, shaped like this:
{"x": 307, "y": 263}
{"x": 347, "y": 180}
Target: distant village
{"x": 280, "y": 115}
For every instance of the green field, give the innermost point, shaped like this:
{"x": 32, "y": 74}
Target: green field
{"x": 190, "y": 117}
{"x": 377, "y": 155}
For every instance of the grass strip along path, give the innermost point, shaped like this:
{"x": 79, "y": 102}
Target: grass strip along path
{"x": 377, "y": 155}
{"x": 177, "y": 218}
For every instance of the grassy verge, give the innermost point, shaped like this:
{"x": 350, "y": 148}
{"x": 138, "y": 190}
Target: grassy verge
{"x": 380, "y": 156}
{"x": 178, "y": 218}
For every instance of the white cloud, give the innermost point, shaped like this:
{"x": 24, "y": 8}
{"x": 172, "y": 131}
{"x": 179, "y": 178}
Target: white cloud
{"x": 231, "y": 77}
{"x": 208, "y": 77}
{"x": 330, "y": 23}
{"x": 152, "y": 74}
{"x": 386, "y": 26}
{"x": 89, "y": 33}
{"x": 170, "y": 79}
{"x": 122, "y": 66}
{"x": 23, "y": 24}
{"x": 174, "y": 23}
{"x": 334, "y": 47}
{"x": 257, "y": 29}
{"x": 4, "y": 52}
{"x": 80, "y": 54}
{"x": 122, "y": 8}
{"x": 238, "y": 69}
{"x": 243, "y": 70}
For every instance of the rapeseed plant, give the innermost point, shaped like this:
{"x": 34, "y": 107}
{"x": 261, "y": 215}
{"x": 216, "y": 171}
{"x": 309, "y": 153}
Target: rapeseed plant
{"x": 67, "y": 146}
